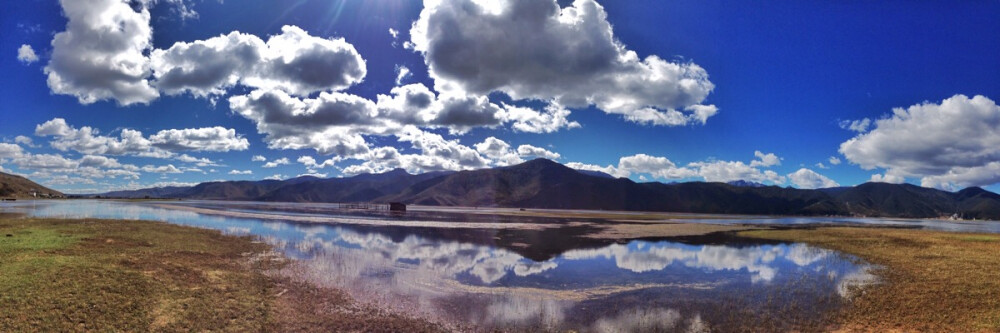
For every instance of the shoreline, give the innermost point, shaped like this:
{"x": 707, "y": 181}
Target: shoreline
{"x": 204, "y": 262}
{"x": 930, "y": 280}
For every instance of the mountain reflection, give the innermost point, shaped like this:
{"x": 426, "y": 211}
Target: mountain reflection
{"x": 476, "y": 277}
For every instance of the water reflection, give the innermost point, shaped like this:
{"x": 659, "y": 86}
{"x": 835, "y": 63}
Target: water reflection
{"x": 471, "y": 277}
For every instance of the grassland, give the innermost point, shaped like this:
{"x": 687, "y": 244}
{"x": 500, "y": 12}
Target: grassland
{"x": 108, "y": 275}
{"x": 932, "y": 281}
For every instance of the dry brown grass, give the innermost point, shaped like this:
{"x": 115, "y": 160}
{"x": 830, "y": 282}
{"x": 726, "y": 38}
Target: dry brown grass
{"x": 111, "y": 276}
{"x": 933, "y": 281}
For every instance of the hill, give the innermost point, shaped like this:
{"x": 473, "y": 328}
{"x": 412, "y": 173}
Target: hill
{"x": 154, "y": 192}
{"x": 14, "y": 186}
{"x": 543, "y": 183}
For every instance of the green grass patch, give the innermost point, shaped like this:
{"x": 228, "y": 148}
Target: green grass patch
{"x": 17, "y": 240}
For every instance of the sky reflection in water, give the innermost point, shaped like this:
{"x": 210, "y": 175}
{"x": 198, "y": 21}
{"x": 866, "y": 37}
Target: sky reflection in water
{"x": 657, "y": 285}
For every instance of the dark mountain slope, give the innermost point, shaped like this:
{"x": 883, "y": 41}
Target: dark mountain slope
{"x": 538, "y": 183}
{"x": 977, "y": 203}
{"x": 360, "y": 188}
{"x": 545, "y": 184}
{"x": 14, "y": 186}
{"x": 897, "y": 200}
{"x": 155, "y": 192}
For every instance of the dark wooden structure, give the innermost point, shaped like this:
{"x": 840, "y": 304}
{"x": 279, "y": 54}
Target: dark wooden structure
{"x": 397, "y": 207}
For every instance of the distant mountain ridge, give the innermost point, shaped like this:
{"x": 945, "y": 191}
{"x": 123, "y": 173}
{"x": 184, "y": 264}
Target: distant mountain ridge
{"x": 543, "y": 183}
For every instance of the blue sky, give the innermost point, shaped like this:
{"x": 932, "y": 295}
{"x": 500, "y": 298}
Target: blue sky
{"x": 651, "y": 90}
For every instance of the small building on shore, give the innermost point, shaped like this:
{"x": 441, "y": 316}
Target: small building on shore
{"x": 397, "y": 207}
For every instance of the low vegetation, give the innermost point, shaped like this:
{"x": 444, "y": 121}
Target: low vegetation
{"x": 100, "y": 275}
{"x": 931, "y": 281}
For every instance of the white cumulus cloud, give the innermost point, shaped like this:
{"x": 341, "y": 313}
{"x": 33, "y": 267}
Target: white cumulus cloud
{"x": 277, "y": 162}
{"x": 951, "y": 144}
{"x": 567, "y": 55}
{"x": 101, "y": 54}
{"x": 808, "y": 179}
{"x": 26, "y": 54}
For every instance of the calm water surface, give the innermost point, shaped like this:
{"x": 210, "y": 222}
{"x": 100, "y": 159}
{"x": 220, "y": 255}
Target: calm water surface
{"x": 529, "y": 280}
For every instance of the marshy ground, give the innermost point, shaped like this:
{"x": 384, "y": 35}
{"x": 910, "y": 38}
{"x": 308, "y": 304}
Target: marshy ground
{"x": 931, "y": 281}
{"x": 101, "y": 275}
{"x": 112, "y": 275}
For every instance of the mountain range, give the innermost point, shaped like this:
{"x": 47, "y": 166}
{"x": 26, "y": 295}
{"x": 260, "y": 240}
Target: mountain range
{"x": 543, "y": 183}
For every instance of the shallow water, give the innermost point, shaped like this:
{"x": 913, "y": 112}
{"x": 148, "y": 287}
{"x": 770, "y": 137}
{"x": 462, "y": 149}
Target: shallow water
{"x": 530, "y": 280}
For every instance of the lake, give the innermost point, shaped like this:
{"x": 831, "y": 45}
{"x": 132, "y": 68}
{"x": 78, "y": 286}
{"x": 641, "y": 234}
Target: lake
{"x": 499, "y": 272}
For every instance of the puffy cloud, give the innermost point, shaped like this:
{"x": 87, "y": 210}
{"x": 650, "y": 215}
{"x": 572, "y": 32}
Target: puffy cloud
{"x": 276, "y": 176}
{"x": 564, "y": 55}
{"x": 610, "y": 169}
{"x": 24, "y": 141}
{"x": 206, "y": 67}
{"x": 55, "y": 169}
{"x": 100, "y": 55}
{"x": 887, "y": 178}
{"x": 402, "y": 73}
{"x": 808, "y": 179}
{"x": 9, "y": 150}
{"x": 88, "y": 140}
{"x": 191, "y": 159}
{"x": 239, "y": 172}
{"x": 498, "y": 151}
{"x": 314, "y": 174}
{"x": 277, "y": 162}
{"x": 99, "y": 162}
{"x": 655, "y": 166}
{"x": 440, "y": 154}
{"x": 529, "y": 120}
{"x": 859, "y": 126}
{"x": 332, "y": 123}
{"x": 957, "y": 178}
{"x": 169, "y": 168}
{"x": 45, "y": 161}
{"x": 26, "y": 54}
{"x": 163, "y": 144}
{"x": 415, "y": 104}
{"x": 258, "y": 158}
{"x": 453, "y": 155}
{"x": 217, "y": 139}
{"x": 528, "y": 151}
{"x": 727, "y": 171}
{"x": 658, "y": 167}
{"x": 68, "y": 180}
{"x": 765, "y": 160}
{"x": 311, "y": 163}
{"x": 301, "y": 64}
{"x": 834, "y": 160}
{"x": 955, "y": 143}
{"x": 292, "y": 61}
